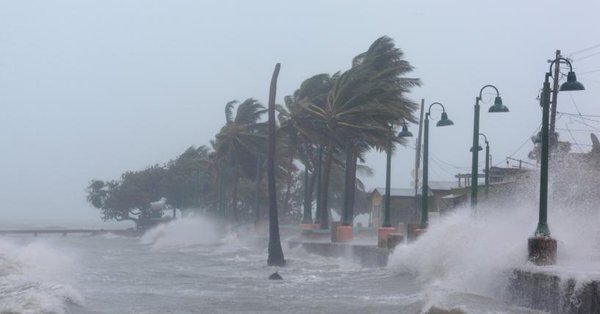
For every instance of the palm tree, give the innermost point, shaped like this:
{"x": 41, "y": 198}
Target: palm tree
{"x": 238, "y": 145}
{"x": 275, "y": 254}
{"x": 296, "y": 129}
{"x": 362, "y": 103}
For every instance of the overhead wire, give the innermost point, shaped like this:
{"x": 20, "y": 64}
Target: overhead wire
{"x": 583, "y": 50}
{"x": 525, "y": 142}
{"x": 578, "y": 114}
{"x": 588, "y": 72}
{"x": 588, "y": 56}
{"x": 571, "y": 134}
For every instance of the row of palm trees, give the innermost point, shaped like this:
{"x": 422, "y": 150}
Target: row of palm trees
{"x": 325, "y": 127}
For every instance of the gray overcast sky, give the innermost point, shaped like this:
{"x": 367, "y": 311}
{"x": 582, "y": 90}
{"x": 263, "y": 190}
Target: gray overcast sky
{"x": 89, "y": 89}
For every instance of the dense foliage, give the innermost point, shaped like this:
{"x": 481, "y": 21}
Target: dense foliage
{"x": 343, "y": 115}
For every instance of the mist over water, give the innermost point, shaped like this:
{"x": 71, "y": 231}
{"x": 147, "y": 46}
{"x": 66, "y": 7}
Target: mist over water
{"x": 183, "y": 233}
{"x": 194, "y": 264}
{"x": 475, "y": 251}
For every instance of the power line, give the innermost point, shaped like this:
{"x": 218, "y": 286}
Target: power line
{"x": 587, "y": 72}
{"x": 571, "y": 134}
{"x": 574, "y": 103}
{"x": 579, "y": 114}
{"x": 589, "y": 56}
{"x": 524, "y": 142}
{"x": 575, "y": 130}
{"x": 583, "y": 50}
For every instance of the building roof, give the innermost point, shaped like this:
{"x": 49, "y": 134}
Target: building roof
{"x": 400, "y": 192}
{"x": 443, "y": 185}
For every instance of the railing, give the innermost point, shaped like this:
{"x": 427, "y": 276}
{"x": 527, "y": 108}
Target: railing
{"x": 64, "y": 232}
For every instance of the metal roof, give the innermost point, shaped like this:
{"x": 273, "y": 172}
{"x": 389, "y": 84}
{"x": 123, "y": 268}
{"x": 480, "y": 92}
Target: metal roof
{"x": 443, "y": 185}
{"x": 400, "y": 192}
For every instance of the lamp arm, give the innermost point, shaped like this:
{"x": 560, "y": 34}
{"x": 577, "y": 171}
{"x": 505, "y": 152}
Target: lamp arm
{"x": 435, "y": 103}
{"x": 484, "y": 137}
{"x": 486, "y": 86}
{"x": 557, "y": 60}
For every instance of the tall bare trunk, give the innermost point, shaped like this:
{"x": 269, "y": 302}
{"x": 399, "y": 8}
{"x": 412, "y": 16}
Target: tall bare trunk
{"x": 319, "y": 177}
{"x": 325, "y": 185}
{"x": 234, "y": 193}
{"x": 288, "y": 189}
{"x": 275, "y": 255}
{"x": 352, "y": 184}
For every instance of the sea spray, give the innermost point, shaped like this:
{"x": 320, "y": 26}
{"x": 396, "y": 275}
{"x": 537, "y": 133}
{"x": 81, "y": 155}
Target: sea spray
{"x": 34, "y": 278}
{"x": 183, "y": 233}
{"x": 468, "y": 252}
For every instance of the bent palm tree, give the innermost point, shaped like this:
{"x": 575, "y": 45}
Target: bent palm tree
{"x": 238, "y": 144}
{"x": 364, "y": 100}
{"x": 275, "y": 255}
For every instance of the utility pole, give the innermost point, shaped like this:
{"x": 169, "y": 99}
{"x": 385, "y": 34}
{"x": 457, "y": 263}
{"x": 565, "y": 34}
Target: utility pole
{"x": 553, "y": 137}
{"x": 418, "y": 153}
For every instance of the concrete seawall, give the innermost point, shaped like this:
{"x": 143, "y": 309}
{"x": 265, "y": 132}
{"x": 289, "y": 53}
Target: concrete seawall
{"x": 545, "y": 290}
{"x": 365, "y": 255}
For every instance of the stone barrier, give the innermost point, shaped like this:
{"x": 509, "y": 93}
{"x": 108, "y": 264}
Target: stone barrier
{"x": 543, "y": 290}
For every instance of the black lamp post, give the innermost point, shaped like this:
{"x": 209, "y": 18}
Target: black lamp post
{"x": 487, "y": 164}
{"x": 386, "y": 212}
{"x": 444, "y": 121}
{"x": 497, "y": 107}
{"x": 542, "y": 248}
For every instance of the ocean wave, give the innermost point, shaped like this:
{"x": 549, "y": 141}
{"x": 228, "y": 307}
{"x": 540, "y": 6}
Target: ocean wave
{"x": 182, "y": 233}
{"x": 467, "y": 252}
{"x": 33, "y": 279}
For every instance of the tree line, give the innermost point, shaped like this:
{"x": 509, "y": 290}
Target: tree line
{"x": 324, "y": 130}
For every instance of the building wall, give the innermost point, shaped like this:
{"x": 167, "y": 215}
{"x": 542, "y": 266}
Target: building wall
{"x": 403, "y": 209}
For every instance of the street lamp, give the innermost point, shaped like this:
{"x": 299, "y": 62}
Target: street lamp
{"x": 444, "y": 121}
{"x": 386, "y": 227}
{"x": 386, "y": 212}
{"x": 542, "y": 248}
{"x": 487, "y": 164}
{"x": 497, "y": 107}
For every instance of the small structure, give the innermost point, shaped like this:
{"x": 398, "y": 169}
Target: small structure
{"x": 504, "y": 183}
{"x": 403, "y": 206}
{"x": 154, "y": 216}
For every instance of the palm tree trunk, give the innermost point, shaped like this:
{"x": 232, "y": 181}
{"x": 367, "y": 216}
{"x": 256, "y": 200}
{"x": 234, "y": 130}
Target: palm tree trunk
{"x": 319, "y": 178}
{"x": 257, "y": 193}
{"x": 288, "y": 189}
{"x": 221, "y": 192}
{"x": 275, "y": 255}
{"x": 346, "y": 218}
{"x": 352, "y": 185}
{"x": 325, "y": 185}
{"x": 234, "y": 193}
{"x": 307, "y": 217}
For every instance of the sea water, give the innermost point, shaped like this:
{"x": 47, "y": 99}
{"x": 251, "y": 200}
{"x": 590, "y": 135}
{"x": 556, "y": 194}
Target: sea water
{"x": 191, "y": 266}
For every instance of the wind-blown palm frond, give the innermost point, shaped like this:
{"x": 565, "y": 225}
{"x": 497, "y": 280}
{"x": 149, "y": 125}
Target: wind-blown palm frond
{"x": 229, "y": 111}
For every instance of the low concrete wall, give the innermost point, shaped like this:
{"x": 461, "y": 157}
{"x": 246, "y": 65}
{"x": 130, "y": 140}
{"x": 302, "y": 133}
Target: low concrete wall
{"x": 547, "y": 291}
{"x": 366, "y": 255}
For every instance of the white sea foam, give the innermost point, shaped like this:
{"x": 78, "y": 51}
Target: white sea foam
{"x": 476, "y": 253}
{"x": 183, "y": 233}
{"x": 468, "y": 253}
{"x": 34, "y": 278}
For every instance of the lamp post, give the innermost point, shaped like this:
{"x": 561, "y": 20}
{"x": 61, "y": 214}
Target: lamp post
{"x": 487, "y": 164}
{"x": 487, "y": 167}
{"x": 497, "y": 107}
{"x": 444, "y": 121}
{"x": 542, "y": 248}
{"x": 386, "y": 226}
{"x": 404, "y": 133}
